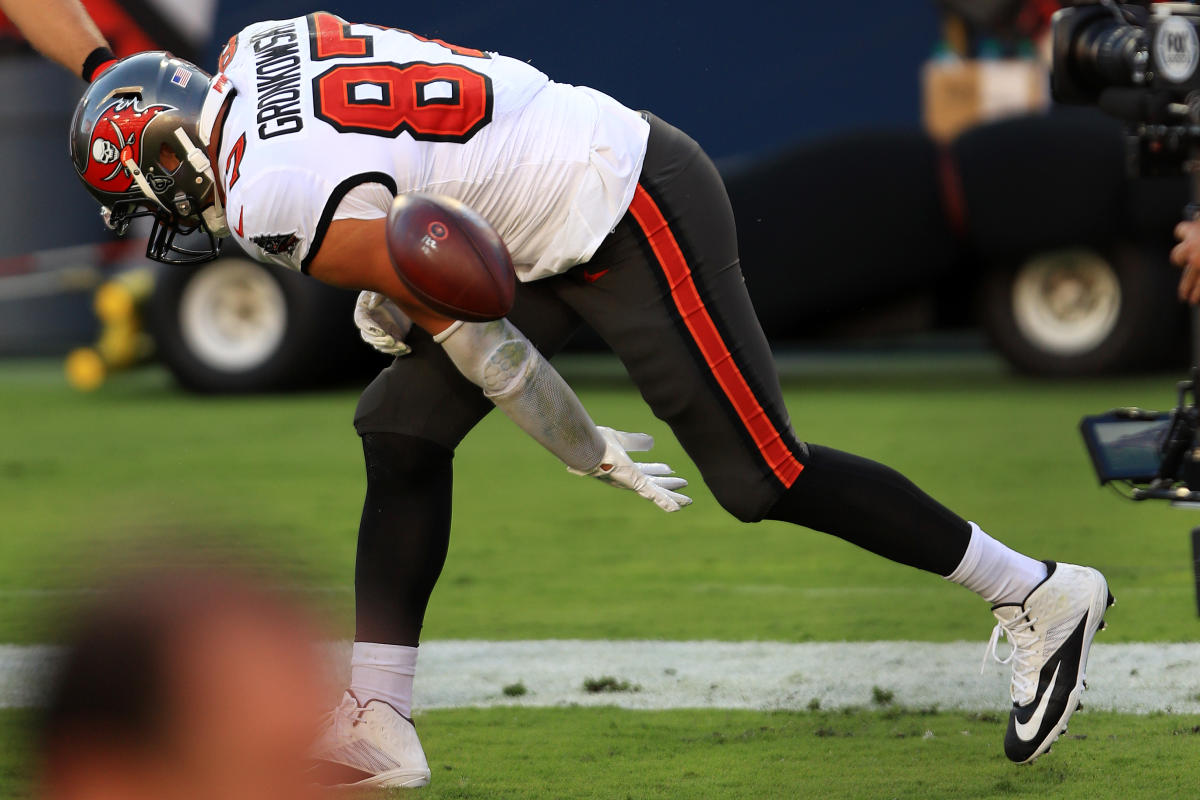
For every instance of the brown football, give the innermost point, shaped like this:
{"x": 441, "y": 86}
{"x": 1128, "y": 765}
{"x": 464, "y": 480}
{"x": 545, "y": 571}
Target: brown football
{"x": 450, "y": 257}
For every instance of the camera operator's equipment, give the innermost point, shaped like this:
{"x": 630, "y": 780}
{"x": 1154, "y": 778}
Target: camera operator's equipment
{"x": 1141, "y": 64}
{"x": 1126, "y": 444}
{"x": 1154, "y": 454}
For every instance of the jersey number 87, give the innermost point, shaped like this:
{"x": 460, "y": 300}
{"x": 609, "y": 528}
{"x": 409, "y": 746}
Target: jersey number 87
{"x": 432, "y": 102}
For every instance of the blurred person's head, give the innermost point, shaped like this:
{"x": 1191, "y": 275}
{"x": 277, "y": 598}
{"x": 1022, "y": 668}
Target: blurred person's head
{"x": 184, "y": 686}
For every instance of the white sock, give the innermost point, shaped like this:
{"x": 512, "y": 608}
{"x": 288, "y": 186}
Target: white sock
{"x": 384, "y": 672}
{"x": 995, "y": 572}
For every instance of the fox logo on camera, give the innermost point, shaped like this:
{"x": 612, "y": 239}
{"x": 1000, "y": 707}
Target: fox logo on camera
{"x": 1176, "y": 49}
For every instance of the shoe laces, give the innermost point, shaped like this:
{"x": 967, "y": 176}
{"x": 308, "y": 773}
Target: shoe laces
{"x": 346, "y": 715}
{"x": 1021, "y": 635}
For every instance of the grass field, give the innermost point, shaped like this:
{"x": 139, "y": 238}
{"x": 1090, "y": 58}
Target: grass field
{"x": 723, "y": 754}
{"x": 93, "y": 483}
{"x": 611, "y": 754}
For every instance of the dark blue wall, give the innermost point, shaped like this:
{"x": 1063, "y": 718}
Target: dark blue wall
{"x": 740, "y": 77}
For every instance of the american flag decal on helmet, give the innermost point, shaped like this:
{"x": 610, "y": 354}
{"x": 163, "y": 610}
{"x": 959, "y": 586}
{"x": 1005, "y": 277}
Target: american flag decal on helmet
{"x": 181, "y": 77}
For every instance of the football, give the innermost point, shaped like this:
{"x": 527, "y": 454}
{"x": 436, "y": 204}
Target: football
{"x": 450, "y": 257}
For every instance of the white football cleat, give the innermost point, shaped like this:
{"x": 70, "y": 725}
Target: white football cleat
{"x": 369, "y": 745}
{"x": 1051, "y": 633}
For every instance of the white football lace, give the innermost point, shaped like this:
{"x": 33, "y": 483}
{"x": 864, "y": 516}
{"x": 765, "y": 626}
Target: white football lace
{"x": 1019, "y": 632}
{"x": 347, "y": 713}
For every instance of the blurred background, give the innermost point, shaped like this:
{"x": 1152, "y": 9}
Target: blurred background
{"x": 952, "y": 271}
{"x": 899, "y": 177}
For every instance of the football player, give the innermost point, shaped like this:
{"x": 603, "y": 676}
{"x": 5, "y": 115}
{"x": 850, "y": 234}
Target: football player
{"x": 613, "y": 217}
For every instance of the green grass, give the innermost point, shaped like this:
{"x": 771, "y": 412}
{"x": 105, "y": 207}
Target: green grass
{"x": 93, "y": 483}
{"x": 88, "y": 483}
{"x": 608, "y": 753}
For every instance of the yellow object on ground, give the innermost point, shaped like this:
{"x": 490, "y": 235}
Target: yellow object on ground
{"x": 85, "y": 369}
{"x": 122, "y": 341}
{"x": 117, "y": 300}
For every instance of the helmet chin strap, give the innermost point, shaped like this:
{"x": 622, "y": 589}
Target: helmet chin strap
{"x": 136, "y": 173}
{"x": 214, "y": 215}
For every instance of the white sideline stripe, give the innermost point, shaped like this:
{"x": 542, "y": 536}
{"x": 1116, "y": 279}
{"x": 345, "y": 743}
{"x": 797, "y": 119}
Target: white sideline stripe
{"x": 1139, "y": 678}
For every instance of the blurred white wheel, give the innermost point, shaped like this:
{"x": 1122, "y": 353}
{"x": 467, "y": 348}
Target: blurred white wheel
{"x": 1066, "y": 302}
{"x": 233, "y": 315}
{"x": 1084, "y": 311}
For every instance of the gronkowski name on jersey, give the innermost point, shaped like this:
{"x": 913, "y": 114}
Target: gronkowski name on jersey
{"x": 323, "y": 106}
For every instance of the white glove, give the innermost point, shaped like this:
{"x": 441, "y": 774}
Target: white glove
{"x": 652, "y": 481}
{"x": 382, "y": 324}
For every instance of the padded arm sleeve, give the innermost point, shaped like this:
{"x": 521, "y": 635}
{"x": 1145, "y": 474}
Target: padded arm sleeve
{"x": 499, "y": 359}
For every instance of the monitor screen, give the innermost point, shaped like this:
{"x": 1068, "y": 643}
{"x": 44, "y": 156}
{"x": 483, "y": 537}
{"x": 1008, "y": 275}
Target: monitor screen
{"x": 1125, "y": 449}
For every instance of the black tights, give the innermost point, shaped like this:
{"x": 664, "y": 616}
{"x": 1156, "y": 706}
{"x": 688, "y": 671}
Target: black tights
{"x": 876, "y": 508}
{"x": 405, "y": 528}
{"x": 403, "y": 536}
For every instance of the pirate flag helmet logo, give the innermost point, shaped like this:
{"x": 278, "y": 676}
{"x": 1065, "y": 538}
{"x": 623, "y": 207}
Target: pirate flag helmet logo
{"x": 116, "y": 139}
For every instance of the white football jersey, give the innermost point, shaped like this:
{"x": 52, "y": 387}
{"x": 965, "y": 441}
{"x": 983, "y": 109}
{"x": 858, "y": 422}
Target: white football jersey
{"x": 323, "y": 106}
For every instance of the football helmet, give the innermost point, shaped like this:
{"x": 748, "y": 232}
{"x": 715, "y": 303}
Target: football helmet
{"x": 138, "y": 146}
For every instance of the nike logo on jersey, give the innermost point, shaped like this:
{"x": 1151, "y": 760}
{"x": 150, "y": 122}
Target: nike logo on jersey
{"x": 592, "y": 277}
{"x": 239, "y": 230}
{"x": 1027, "y": 730}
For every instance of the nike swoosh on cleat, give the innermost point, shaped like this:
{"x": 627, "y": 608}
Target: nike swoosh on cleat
{"x": 1026, "y": 731}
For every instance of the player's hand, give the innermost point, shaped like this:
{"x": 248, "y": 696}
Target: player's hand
{"x": 1186, "y": 254}
{"x": 655, "y": 482}
{"x": 382, "y": 324}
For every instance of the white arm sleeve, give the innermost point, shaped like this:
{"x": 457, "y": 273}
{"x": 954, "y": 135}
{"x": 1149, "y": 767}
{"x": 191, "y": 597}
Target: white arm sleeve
{"x": 497, "y": 357}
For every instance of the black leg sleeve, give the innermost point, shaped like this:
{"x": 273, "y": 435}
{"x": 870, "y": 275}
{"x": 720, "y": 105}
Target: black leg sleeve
{"x": 403, "y": 537}
{"x": 876, "y": 508}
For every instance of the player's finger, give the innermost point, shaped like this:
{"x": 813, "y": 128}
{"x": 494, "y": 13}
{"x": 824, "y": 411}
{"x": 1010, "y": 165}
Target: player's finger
{"x": 635, "y": 442}
{"x": 1181, "y": 230}
{"x": 680, "y": 500}
{"x": 671, "y": 483}
{"x": 654, "y": 468}
{"x": 660, "y": 498}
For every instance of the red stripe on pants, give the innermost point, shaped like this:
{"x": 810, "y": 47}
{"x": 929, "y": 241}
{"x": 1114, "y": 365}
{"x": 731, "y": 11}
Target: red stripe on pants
{"x": 699, "y": 322}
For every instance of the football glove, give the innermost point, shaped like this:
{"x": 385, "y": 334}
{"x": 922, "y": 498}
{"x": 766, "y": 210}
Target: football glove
{"x": 382, "y": 324}
{"x": 655, "y": 482}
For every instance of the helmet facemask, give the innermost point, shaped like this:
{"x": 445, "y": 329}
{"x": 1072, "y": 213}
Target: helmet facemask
{"x": 176, "y": 214}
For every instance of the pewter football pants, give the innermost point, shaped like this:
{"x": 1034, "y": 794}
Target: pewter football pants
{"x": 665, "y": 292}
